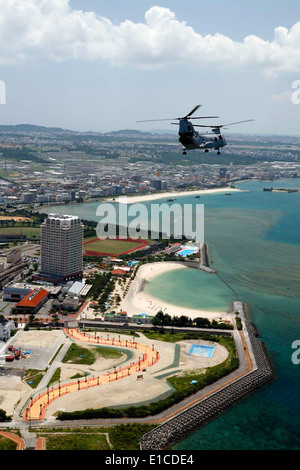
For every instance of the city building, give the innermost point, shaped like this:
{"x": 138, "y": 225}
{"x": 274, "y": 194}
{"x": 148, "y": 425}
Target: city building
{"x": 6, "y": 327}
{"x": 19, "y": 290}
{"x": 12, "y": 237}
{"x": 15, "y": 294}
{"x": 79, "y": 289}
{"x": 29, "y": 197}
{"x": 70, "y": 304}
{"x": 61, "y": 248}
{"x": 32, "y": 302}
{"x": 10, "y": 265}
{"x": 222, "y": 173}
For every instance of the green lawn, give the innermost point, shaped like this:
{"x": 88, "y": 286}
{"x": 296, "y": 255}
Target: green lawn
{"x": 55, "y": 377}
{"x": 31, "y": 232}
{"x": 79, "y": 355}
{"x": 7, "y": 444}
{"x": 81, "y": 441}
{"x": 34, "y": 376}
{"x": 174, "y": 336}
{"x": 109, "y": 246}
{"x": 118, "y": 437}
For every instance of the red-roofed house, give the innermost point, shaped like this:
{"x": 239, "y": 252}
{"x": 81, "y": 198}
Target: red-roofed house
{"x": 33, "y": 301}
{"x": 119, "y": 272}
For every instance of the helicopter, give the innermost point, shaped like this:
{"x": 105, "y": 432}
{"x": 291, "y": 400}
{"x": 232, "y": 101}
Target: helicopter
{"x": 191, "y": 139}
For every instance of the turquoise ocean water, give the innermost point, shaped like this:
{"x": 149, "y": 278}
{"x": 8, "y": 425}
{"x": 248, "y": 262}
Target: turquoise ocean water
{"x": 254, "y": 242}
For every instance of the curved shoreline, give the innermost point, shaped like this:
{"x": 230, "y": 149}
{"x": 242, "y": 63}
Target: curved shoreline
{"x": 156, "y": 196}
{"x": 137, "y": 301}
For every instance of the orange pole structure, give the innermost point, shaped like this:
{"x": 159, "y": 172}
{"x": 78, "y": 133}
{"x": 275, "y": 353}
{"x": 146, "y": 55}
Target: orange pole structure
{"x": 38, "y": 405}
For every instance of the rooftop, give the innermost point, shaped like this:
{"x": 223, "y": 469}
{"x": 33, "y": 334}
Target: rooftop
{"x": 34, "y": 298}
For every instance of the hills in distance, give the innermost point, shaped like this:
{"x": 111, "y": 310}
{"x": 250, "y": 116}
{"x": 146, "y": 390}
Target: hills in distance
{"x": 23, "y": 128}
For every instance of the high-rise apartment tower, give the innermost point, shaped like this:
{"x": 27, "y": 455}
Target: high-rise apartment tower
{"x": 62, "y": 247}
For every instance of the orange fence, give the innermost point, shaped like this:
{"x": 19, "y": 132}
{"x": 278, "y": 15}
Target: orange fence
{"x": 148, "y": 358}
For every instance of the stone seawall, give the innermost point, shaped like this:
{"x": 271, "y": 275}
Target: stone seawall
{"x": 204, "y": 261}
{"x": 179, "y": 427}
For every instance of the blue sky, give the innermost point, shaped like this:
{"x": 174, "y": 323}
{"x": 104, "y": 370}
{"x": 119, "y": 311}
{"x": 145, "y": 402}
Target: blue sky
{"x": 105, "y": 70}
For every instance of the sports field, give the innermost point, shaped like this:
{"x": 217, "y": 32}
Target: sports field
{"x": 94, "y": 246}
{"x": 31, "y": 232}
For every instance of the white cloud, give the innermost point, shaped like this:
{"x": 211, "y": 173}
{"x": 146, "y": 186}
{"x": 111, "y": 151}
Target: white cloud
{"x": 34, "y": 29}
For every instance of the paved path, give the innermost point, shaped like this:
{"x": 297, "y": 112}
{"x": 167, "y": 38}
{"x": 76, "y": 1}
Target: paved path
{"x": 47, "y": 377}
{"x": 15, "y": 438}
{"x": 245, "y": 366}
{"x": 148, "y": 358}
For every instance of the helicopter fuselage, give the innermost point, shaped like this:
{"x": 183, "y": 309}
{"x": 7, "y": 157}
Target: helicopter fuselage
{"x": 192, "y": 139}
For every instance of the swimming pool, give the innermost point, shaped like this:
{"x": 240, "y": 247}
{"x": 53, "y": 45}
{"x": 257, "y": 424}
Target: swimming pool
{"x": 186, "y": 252}
{"x": 201, "y": 350}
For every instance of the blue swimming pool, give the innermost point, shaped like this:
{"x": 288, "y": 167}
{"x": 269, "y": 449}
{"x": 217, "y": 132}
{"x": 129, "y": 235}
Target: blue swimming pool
{"x": 201, "y": 350}
{"x": 185, "y": 252}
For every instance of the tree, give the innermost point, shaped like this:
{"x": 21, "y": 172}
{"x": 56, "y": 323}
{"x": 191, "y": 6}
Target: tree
{"x": 3, "y": 416}
{"x": 202, "y": 322}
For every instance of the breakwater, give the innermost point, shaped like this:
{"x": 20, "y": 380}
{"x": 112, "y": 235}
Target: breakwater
{"x": 179, "y": 427}
{"x": 204, "y": 260}
{"x": 203, "y": 264}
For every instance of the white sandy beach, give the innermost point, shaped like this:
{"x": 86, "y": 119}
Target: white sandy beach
{"x": 156, "y": 196}
{"x": 137, "y": 301}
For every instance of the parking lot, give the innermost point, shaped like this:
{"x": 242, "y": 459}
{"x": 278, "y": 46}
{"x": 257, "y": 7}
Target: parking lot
{"x": 42, "y": 346}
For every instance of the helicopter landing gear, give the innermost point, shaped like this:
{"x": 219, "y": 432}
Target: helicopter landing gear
{"x": 184, "y": 152}
{"x": 218, "y": 153}
{"x": 206, "y": 150}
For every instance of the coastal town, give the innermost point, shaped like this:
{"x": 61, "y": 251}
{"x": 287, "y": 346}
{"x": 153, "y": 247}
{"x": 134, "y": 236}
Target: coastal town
{"x": 95, "y": 294}
{"x": 43, "y": 166}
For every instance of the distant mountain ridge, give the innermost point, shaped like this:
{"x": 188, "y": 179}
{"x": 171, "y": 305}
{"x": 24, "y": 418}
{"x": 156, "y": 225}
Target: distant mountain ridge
{"x": 35, "y": 128}
{"x": 18, "y": 128}
{"x": 30, "y": 128}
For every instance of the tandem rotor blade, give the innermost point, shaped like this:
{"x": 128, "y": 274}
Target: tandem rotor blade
{"x": 155, "y": 120}
{"x": 239, "y": 122}
{"x": 188, "y": 116}
{"x": 213, "y": 126}
{"x": 181, "y": 119}
{"x": 191, "y": 112}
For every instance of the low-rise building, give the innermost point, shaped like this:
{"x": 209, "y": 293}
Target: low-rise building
{"x": 120, "y": 317}
{"x": 141, "y": 318}
{"x": 32, "y": 302}
{"x": 15, "y": 294}
{"x": 6, "y": 327}
{"x": 19, "y": 290}
{"x": 70, "y": 304}
{"x": 10, "y": 265}
{"x": 79, "y": 289}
